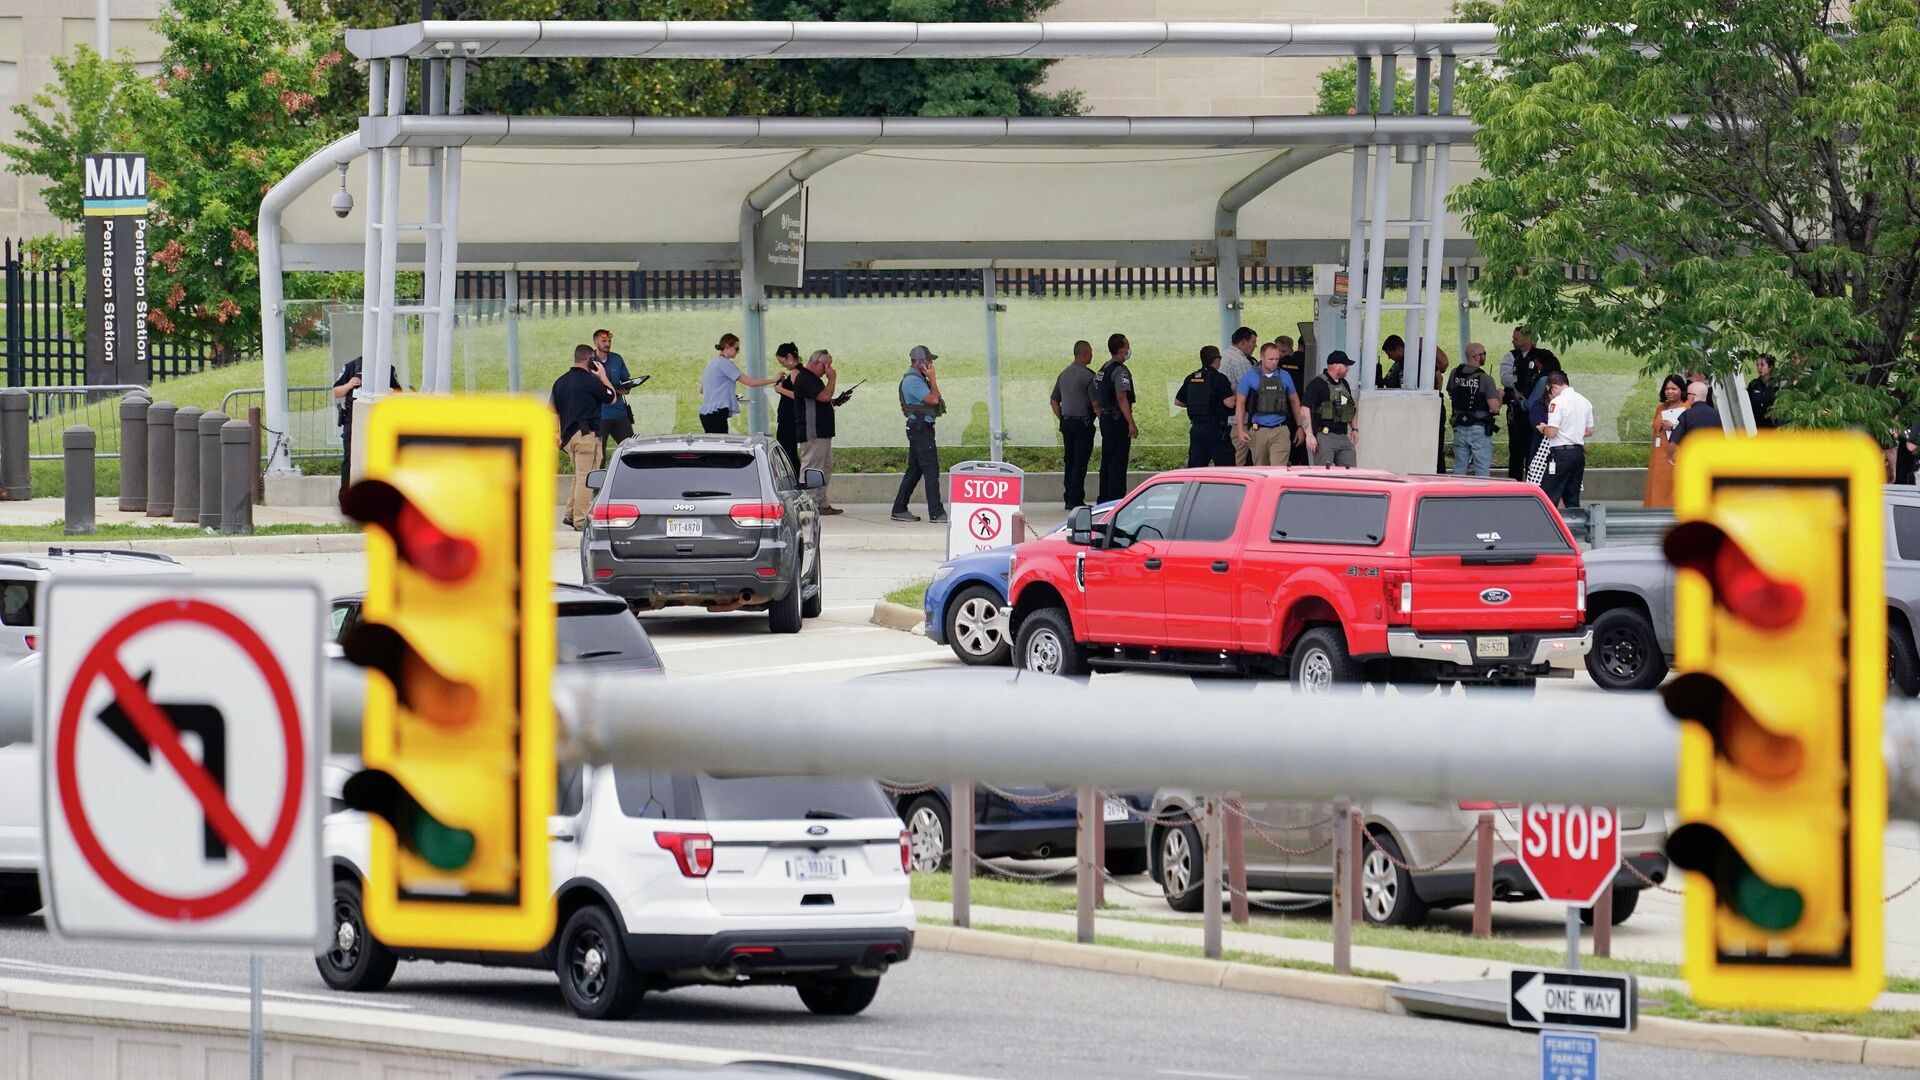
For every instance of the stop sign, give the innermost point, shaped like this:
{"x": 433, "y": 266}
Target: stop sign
{"x": 1570, "y": 852}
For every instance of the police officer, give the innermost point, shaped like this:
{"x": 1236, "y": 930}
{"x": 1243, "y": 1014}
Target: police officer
{"x": 1523, "y": 373}
{"x": 1209, "y": 400}
{"x": 1268, "y": 403}
{"x": 1473, "y": 398}
{"x": 922, "y": 405}
{"x": 1113, "y": 404}
{"x": 1295, "y": 365}
{"x": 1072, "y": 402}
{"x": 1328, "y": 411}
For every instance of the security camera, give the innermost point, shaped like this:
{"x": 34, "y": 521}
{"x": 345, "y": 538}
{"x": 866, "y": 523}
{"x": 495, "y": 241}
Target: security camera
{"x": 342, "y": 199}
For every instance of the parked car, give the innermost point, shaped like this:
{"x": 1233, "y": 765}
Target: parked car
{"x": 23, "y": 578}
{"x": 963, "y": 602}
{"x": 23, "y": 582}
{"x": 663, "y": 880}
{"x": 1329, "y": 576}
{"x": 1420, "y": 835}
{"x": 714, "y": 521}
{"x": 1630, "y": 603}
{"x": 1018, "y": 821}
{"x": 593, "y": 629}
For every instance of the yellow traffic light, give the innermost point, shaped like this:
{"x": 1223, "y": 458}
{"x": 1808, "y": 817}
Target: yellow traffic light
{"x": 1780, "y": 635}
{"x": 458, "y": 735}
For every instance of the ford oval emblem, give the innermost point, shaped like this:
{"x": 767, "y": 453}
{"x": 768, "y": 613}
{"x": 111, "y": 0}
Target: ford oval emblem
{"x": 1495, "y": 596}
{"x": 816, "y": 830}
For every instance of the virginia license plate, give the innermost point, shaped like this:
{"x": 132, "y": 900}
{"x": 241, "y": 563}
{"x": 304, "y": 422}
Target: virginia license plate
{"x": 684, "y": 526}
{"x": 816, "y": 868}
{"x": 1490, "y": 647}
{"x": 1115, "y": 810}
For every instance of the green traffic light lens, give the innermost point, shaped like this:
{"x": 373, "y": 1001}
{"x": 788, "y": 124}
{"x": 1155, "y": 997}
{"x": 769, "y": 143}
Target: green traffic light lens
{"x": 442, "y": 846}
{"x": 1766, "y": 906}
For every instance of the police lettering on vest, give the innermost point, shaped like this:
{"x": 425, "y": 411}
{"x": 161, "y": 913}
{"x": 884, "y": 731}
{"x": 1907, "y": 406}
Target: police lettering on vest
{"x": 1468, "y": 397}
{"x": 1270, "y": 396}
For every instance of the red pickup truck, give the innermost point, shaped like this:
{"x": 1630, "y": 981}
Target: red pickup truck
{"x": 1324, "y": 575}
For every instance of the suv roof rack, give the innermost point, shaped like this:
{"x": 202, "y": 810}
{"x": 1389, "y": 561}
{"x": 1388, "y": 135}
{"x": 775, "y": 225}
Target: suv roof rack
{"x": 154, "y": 556}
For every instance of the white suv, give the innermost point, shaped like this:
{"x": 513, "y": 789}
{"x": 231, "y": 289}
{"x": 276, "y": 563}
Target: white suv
{"x": 665, "y": 879}
{"x": 23, "y": 580}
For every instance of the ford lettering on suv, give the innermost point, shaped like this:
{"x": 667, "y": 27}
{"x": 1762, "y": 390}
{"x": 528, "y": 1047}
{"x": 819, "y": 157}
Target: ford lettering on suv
{"x": 1329, "y": 576}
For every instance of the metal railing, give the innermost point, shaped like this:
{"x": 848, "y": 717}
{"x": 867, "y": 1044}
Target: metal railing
{"x": 313, "y": 427}
{"x": 1603, "y": 526}
{"x": 53, "y": 409}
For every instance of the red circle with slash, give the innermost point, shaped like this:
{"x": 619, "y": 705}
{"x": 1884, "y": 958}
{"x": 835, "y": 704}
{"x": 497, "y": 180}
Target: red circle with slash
{"x": 102, "y": 662}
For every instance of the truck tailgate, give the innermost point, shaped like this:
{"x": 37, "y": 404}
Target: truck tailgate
{"x": 1493, "y": 562}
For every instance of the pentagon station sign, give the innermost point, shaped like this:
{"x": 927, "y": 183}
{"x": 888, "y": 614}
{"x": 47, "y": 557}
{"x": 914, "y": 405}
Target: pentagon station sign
{"x": 114, "y": 202}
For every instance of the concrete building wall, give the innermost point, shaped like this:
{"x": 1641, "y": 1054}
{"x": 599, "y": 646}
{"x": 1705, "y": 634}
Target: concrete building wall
{"x": 1197, "y": 86}
{"x": 32, "y": 33}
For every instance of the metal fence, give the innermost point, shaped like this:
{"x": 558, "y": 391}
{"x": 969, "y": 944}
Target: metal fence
{"x": 43, "y": 349}
{"x": 53, "y": 409}
{"x": 313, "y": 427}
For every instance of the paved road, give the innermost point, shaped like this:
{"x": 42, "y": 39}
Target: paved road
{"x": 940, "y": 1012}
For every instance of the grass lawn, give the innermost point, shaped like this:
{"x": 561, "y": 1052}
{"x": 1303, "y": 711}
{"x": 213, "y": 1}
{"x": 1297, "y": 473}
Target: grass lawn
{"x": 1877, "y": 1023}
{"x": 1235, "y": 956}
{"x": 910, "y": 595}
{"x": 54, "y": 533}
{"x": 996, "y": 892}
{"x": 870, "y": 340}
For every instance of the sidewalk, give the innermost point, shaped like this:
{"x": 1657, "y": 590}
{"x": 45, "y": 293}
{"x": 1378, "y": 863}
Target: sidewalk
{"x": 1405, "y": 966}
{"x": 108, "y": 512}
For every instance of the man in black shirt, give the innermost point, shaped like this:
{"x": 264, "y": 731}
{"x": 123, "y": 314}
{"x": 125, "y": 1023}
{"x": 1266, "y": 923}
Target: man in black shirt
{"x": 1295, "y": 365}
{"x": 1699, "y": 416}
{"x": 1113, "y": 404}
{"x": 578, "y": 395}
{"x": 1209, "y": 400}
{"x": 814, "y": 386}
{"x": 343, "y": 388}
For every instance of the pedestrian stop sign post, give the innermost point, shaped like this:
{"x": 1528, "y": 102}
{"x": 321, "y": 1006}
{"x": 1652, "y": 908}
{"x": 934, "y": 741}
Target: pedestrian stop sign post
{"x": 180, "y": 743}
{"x": 982, "y": 497}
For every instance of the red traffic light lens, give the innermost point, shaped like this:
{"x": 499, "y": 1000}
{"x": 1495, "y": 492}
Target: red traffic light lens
{"x": 422, "y": 544}
{"x": 1739, "y": 584}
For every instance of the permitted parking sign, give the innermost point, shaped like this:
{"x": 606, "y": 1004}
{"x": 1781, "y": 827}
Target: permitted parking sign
{"x": 180, "y": 744}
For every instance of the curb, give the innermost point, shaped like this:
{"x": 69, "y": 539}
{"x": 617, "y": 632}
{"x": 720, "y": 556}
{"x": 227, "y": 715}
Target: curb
{"x": 306, "y": 544}
{"x": 899, "y": 617}
{"x": 1371, "y": 994}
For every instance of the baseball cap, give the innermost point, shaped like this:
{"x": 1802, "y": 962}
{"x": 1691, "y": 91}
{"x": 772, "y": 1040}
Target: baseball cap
{"x": 921, "y": 352}
{"x": 1338, "y": 357}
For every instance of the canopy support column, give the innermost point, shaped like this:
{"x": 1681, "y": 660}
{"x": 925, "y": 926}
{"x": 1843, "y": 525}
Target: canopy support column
{"x": 753, "y": 305}
{"x": 1377, "y": 239}
{"x": 513, "y": 329}
{"x": 1226, "y": 226}
{"x": 996, "y": 433}
{"x": 1417, "y": 234}
{"x": 1356, "y": 241}
{"x": 1436, "y": 234}
{"x": 370, "y": 259}
{"x": 377, "y": 368}
{"x": 1463, "y": 296}
{"x": 433, "y": 100}
{"x": 449, "y": 253}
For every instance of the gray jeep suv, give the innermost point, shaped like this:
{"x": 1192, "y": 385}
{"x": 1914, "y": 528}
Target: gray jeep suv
{"x": 715, "y": 521}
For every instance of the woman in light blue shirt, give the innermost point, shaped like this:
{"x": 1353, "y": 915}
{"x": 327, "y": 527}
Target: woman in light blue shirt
{"x": 719, "y": 398}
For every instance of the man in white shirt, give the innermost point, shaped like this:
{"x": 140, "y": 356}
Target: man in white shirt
{"x": 1569, "y": 425}
{"x": 1235, "y": 361}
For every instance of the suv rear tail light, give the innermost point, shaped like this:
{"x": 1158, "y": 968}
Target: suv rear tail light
{"x": 1489, "y": 805}
{"x": 33, "y": 642}
{"x": 748, "y": 515}
{"x": 615, "y": 515}
{"x": 906, "y": 852}
{"x": 1580, "y": 593}
{"x": 693, "y": 851}
{"x": 1396, "y": 588}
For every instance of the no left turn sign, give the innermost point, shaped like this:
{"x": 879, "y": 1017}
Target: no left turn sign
{"x": 181, "y": 742}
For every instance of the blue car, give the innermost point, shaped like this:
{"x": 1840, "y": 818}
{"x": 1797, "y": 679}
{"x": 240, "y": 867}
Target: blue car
{"x": 963, "y": 603}
{"x": 1016, "y": 821}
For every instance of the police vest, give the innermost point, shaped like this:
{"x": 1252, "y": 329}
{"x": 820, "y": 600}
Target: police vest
{"x": 1202, "y": 406}
{"x": 1270, "y": 395}
{"x": 923, "y": 411}
{"x": 1468, "y": 398}
{"x": 1106, "y": 386}
{"x": 1339, "y": 406}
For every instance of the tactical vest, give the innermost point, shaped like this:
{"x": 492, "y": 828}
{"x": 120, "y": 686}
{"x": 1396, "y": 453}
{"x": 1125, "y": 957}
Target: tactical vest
{"x": 1339, "y": 406}
{"x": 1105, "y": 388}
{"x": 1468, "y": 398}
{"x": 1202, "y": 406}
{"x": 929, "y": 413}
{"x": 1270, "y": 395}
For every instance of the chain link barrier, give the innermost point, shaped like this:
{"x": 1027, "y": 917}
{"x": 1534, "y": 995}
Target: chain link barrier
{"x": 1277, "y": 845}
{"x": 1368, "y": 839}
{"x": 1902, "y": 892}
{"x": 907, "y": 789}
{"x": 1016, "y": 875}
{"x": 1240, "y": 813}
{"x": 1030, "y": 800}
{"x": 1163, "y": 820}
{"x": 1652, "y": 884}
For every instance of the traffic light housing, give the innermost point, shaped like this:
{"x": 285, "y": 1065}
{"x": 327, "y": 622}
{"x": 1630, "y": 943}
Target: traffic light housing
{"x": 458, "y": 621}
{"x": 1780, "y": 638}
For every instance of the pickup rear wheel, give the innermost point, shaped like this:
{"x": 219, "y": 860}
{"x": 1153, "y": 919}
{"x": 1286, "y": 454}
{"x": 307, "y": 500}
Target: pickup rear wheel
{"x": 1626, "y": 655}
{"x": 1320, "y": 660}
{"x": 1046, "y": 644}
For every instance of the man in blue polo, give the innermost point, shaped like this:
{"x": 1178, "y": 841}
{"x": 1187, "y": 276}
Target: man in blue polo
{"x": 1268, "y": 400}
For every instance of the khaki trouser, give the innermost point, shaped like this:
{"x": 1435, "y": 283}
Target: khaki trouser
{"x": 1271, "y": 445}
{"x": 818, "y": 454}
{"x": 583, "y": 453}
{"x": 1242, "y": 452}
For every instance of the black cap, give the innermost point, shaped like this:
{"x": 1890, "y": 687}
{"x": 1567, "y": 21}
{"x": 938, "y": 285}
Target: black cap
{"x": 787, "y": 348}
{"x": 1338, "y": 357}
{"x": 1209, "y": 353}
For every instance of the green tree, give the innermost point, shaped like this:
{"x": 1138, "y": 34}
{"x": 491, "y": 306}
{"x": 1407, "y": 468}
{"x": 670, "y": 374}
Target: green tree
{"x": 85, "y": 110}
{"x": 1741, "y": 176}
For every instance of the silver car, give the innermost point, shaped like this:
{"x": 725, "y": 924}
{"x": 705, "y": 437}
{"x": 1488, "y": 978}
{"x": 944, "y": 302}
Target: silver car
{"x": 1415, "y": 856}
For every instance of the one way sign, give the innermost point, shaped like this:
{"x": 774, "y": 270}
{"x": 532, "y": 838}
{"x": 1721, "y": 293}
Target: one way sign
{"x": 181, "y": 758}
{"x": 1571, "y": 999}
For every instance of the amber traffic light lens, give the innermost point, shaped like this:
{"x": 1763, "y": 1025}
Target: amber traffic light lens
{"x": 1756, "y": 751}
